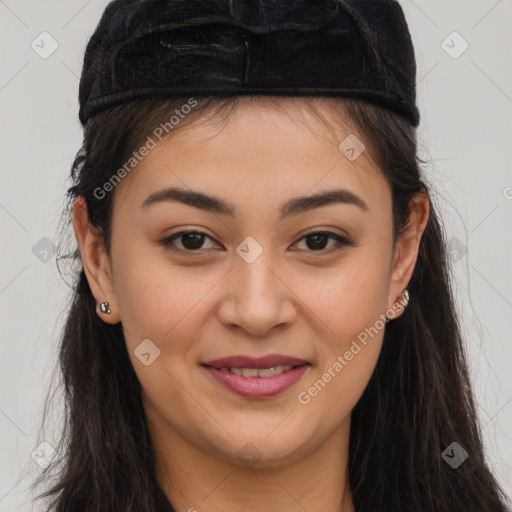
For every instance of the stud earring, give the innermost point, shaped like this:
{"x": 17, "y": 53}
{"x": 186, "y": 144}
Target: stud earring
{"x": 404, "y": 298}
{"x": 104, "y": 308}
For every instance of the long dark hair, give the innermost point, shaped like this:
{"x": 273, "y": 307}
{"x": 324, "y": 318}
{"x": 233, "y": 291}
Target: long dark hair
{"x": 417, "y": 402}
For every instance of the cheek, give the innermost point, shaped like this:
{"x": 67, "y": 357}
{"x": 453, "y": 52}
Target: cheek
{"x": 349, "y": 297}
{"x": 154, "y": 296}
{"x": 349, "y": 306}
{"x": 159, "y": 302}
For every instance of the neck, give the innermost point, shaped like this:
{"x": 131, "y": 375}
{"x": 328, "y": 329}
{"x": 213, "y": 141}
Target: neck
{"x": 193, "y": 480}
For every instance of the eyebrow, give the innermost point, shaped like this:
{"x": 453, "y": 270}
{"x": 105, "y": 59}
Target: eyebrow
{"x": 291, "y": 207}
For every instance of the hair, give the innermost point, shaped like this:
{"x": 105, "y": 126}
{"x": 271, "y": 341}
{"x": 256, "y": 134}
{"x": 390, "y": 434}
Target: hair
{"x": 417, "y": 402}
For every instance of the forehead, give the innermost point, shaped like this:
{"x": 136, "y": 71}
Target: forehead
{"x": 259, "y": 154}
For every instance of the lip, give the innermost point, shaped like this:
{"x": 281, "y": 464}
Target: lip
{"x": 257, "y": 387}
{"x": 258, "y": 363}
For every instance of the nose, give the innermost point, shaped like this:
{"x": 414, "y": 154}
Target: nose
{"x": 257, "y": 297}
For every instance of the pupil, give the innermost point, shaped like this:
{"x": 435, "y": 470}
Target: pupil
{"x": 316, "y": 237}
{"x": 196, "y": 238}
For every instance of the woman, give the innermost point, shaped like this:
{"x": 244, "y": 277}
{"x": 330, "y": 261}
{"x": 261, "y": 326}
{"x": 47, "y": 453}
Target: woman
{"x": 263, "y": 317}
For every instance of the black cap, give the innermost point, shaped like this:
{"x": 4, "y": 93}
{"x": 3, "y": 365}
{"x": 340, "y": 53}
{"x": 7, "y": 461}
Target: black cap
{"x": 349, "y": 48}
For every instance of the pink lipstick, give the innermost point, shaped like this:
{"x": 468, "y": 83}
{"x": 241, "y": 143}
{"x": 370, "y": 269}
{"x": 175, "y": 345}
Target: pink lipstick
{"x": 263, "y": 377}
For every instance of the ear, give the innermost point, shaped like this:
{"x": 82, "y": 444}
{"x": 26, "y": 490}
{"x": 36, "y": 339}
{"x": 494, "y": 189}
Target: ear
{"x": 406, "y": 251}
{"x": 96, "y": 262}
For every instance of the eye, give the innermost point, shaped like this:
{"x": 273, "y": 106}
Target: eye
{"x": 192, "y": 241}
{"x": 316, "y": 240}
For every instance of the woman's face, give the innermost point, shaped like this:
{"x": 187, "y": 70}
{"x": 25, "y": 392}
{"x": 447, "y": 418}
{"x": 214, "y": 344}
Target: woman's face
{"x": 265, "y": 277}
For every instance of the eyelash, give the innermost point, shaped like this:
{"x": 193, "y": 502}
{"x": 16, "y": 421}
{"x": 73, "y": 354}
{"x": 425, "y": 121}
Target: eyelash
{"x": 342, "y": 241}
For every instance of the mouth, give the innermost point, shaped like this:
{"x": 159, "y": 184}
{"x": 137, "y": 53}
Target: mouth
{"x": 258, "y": 372}
{"x": 266, "y": 362}
{"x": 257, "y": 378}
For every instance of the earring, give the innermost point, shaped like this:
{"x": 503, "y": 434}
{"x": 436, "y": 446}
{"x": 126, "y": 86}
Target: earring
{"x": 404, "y": 298}
{"x": 104, "y": 308}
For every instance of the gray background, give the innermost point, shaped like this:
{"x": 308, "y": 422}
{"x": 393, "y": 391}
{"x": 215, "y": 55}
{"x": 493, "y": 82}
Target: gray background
{"x": 465, "y": 102}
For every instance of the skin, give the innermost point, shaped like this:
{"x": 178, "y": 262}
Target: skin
{"x": 196, "y": 306}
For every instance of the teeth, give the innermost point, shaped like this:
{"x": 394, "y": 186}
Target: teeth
{"x": 263, "y": 372}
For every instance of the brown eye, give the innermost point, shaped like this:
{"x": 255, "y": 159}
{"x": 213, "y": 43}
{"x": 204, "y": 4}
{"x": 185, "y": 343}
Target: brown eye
{"x": 191, "y": 241}
{"x": 318, "y": 240}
